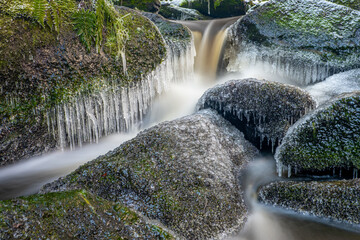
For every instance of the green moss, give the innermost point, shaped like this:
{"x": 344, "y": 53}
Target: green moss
{"x": 77, "y": 214}
{"x": 337, "y": 200}
{"x": 329, "y": 138}
{"x": 145, "y": 5}
{"x": 218, "y": 8}
{"x": 354, "y": 4}
{"x": 43, "y": 64}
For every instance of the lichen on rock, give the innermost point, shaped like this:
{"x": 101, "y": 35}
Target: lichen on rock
{"x": 325, "y": 139}
{"x": 334, "y": 200}
{"x": 74, "y": 214}
{"x": 304, "y": 41}
{"x": 182, "y": 173}
{"x": 262, "y": 110}
{"x": 61, "y": 80}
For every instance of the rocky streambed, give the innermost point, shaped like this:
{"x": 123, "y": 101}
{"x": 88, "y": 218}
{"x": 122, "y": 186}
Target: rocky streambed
{"x": 181, "y": 179}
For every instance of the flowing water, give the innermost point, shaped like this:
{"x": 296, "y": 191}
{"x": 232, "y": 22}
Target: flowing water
{"x": 264, "y": 223}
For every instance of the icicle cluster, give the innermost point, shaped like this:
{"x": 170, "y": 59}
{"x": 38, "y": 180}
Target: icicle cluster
{"x": 299, "y": 68}
{"x": 89, "y": 117}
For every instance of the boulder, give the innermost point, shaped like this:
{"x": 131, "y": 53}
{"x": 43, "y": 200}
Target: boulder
{"x": 74, "y": 214}
{"x": 261, "y": 109}
{"x": 174, "y": 12}
{"x": 326, "y": 141}
{"x": 145, "y": 5}
{"x": 64, "y": 83}
{"x": 349, "y": 3}
{"x": 303, "y": 41}
{"x": 334, "y": 200}
{"x": 217, "y": 8}
{"x": 182, "y": 173}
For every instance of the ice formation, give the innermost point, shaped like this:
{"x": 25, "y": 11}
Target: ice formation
{"x": 118, "y": 109}
{"x": 279, "y": 64}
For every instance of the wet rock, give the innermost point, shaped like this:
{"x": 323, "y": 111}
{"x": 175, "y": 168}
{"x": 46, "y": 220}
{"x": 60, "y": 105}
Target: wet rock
{"x": 261, "y": 109}
{"x": 182, "y": 173}
{"x": 325, "y": 139}
{"x": 60, "y": 89}
{"x": 145, "y": 5}
{"x": 174, "y": 12}
{"x": 349, "y": 3}
{"x": 335, "y": 200}
{"x": 217, "y": 9}
{"x": 303, "y": 41}
{"x": 74, "y": 214}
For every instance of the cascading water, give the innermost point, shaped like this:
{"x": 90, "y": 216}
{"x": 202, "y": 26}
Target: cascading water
{"x": 209, "y": 39}
{"x": 90, "y": 117}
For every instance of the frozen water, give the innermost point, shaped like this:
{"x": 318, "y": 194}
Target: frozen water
{"x": 118, "y": 109}
{"x": 335, "y": 85}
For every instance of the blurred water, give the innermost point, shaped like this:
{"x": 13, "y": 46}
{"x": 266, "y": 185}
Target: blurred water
{"x": 264, "y": 223}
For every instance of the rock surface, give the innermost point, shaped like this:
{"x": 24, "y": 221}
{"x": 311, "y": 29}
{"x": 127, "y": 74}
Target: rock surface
{"x": 303, "y": 41}
{"x": 354, "y": 4}
{"x": 174, "y": 12}
{"x": 54, "y": 76}
{"x": 73, "y": 215}
{"x": 182, "y": 173}
{"x": 145, "y": 5}
{"x": 217, "y": 8}
{"x": 325, "y": 139}
{"x": 334, "y": 200}
{"x": 261, "y": 109}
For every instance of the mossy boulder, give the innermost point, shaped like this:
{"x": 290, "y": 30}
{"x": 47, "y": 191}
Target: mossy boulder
{"x": 303, "y": 41}
{"x": 182, "y": 173}
{"x": 73, "y": 215}
{"x": 261, "y": 109}
{"x": 54, "y": 52}
{"x": 325, "y": 139}
{"x": 217, "y": 8}
{"x": 354, "y": 4}
{"x": 174, "y": 12}
{"x": 335, "y": 200}
{"x": 145, "y": 5}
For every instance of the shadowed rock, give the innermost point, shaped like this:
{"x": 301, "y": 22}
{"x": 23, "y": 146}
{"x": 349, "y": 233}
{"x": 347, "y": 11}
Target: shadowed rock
{"x": 261, "y": 109}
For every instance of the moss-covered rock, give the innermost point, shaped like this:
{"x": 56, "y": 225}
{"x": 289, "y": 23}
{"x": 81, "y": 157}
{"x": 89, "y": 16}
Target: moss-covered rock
{"x": 174, "y": 12}
{"x": 145, "y": 5}
{"x": 335, "y": 200}
{"x": 73, "y": 215}
{"x": 217, "y": 8}
{"x": 54, "y": 52}
{"x": 261, "y": 109}
{"x": 354, "y": 4}
{"x": 303, "y": 40}
{"x": 182, "y": 173}
{"x": 324, "y": 139}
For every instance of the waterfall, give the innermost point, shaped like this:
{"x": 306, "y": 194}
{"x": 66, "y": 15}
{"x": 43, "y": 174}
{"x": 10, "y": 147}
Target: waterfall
{"x": 88, "y": 117}
{"x": 209, "y": 40}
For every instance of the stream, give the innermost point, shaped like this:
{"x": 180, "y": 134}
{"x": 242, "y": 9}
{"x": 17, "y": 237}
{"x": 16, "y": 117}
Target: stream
{"x": 264, "y": 223}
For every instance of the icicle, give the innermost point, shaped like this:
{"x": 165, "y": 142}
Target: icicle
{"x": 208, "y": 6}
{"x": 289, "y": 171}
{"x": 355, "y": 173}
{"x": 279, "y": 169}
{"x": 90, "y": 116}
{"x": 340, "y": 173}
